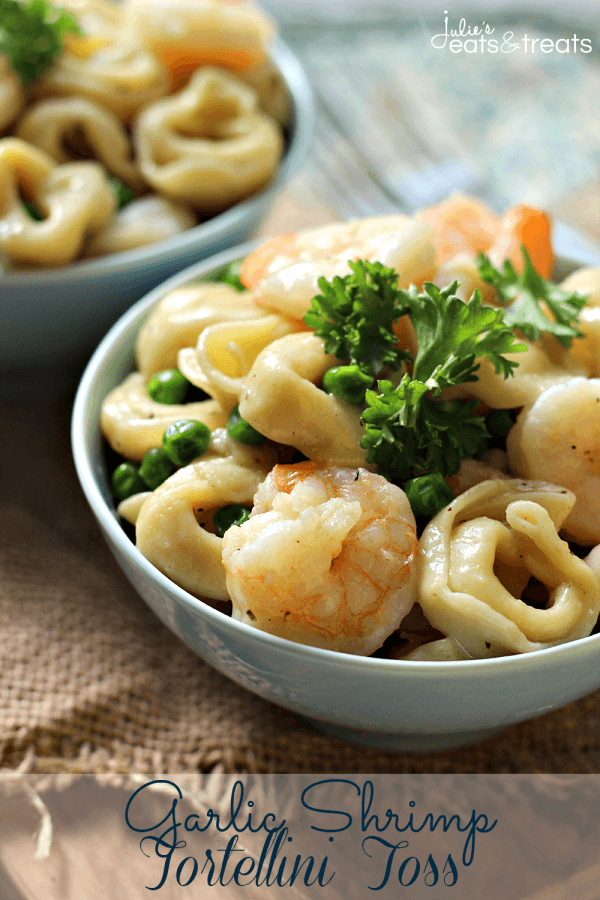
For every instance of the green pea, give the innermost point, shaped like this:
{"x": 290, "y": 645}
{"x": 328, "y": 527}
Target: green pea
{"x": 126, "y": 481}
{"x": 227, "y": 516}
{"x": 122, "y": 192}
{"x": 242, "y": 431}
{"x": 156, "y": 467}
{"x": 33, "y": 212}
{"x": 185, "y": 440}
{"x": 499, "y": 422}
{"x": 427, "y": 494}
{"x": 168, "y": 386}
{"x": 347, "y": 382}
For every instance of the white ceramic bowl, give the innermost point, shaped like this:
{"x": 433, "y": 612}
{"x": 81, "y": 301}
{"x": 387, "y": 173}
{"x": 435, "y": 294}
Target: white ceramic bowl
{"x": 51, "y": 319}
{"x": 393, "y": 705}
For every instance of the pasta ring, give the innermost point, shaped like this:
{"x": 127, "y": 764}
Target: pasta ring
{"x": 209, "y": 145}
{"x": 143, "y": 221}
{"x": 167, "y": 529}
{"x": 49, "y": 123}
{"x": 75, "y": 200}
{"x": 477, "y": 556}
{"x": 12, "y": 96}
{"x": 281, "y": 400}
{"x": 122, "y": 77}
{"x": 226, "y": 351}
{"x": 134, "y": 423}
{"x": 180, "y": 317}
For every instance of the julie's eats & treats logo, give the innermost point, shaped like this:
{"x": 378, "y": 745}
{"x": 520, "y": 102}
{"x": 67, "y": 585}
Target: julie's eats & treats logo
{"x": 481, "y": 37}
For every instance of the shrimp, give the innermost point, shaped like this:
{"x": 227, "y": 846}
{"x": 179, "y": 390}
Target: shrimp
{"x": 523, "y": 226}
{"x": 586, "y": 349}
{"x": 328, "y": 558}
{"x": 557, "y": 439}
{"x": 464, "y": 228}
{"x": 284, "y": 272}
{"x": 461, "y": 224}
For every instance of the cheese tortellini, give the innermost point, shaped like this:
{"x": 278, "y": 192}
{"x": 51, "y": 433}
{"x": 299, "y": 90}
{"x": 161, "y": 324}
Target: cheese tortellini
{"x": 478, "y": 556}
{"x": 75, "y": 200}
{"x": 143, "y": 221}
{"x": 50, "y": 124}
{"x": 281, "y": 399}
{"x": 177, "y": 104}
{"x": 133, "y": 423}
{"x": 168, "y": 527}
{"x": 209, "y": 145}
{"x": 12, "y": 95}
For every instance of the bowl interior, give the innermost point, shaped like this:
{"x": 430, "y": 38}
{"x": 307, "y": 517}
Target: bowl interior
{"x": 114, "y": 359}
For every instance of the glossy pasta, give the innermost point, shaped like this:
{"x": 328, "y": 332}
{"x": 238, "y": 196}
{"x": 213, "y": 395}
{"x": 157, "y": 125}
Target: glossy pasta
{"x": 115, "y": 96}
{"x": 12, "y": 95}
{"x": 75, "y": 198}
{"x": 167, "y": 526}
{"x": 477, "y": 557}
{"x": 134, "y": 423}
{"x": 281, "y": 399}
{"x": 210, "y": 145}
{"x": 143, "y": 221}
{"x": 49, "y": 124}
{"x": 225, "y": 354}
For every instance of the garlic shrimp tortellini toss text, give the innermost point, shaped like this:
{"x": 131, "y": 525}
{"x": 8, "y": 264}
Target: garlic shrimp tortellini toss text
{"x": 378, "y": 437}
{"x": 127, "y": 123}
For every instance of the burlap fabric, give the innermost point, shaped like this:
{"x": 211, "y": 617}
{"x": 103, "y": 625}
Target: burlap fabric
{"x": 91, "y": 681}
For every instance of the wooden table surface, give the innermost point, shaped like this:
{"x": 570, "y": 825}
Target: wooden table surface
{"x": 401, "y": 124}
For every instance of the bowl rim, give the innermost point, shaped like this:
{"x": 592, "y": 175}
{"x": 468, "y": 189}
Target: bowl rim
{"x": 216, "y": 228}
{"x": 107, "y": 517}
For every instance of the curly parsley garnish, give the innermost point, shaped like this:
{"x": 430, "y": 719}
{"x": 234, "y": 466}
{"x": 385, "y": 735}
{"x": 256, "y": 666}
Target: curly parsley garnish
{"x": 31, "y": 36}
{"x": 525, "y": 296}
{"x": 452, "y": 335}
{"x": 354, "y": 316}
{"x": 409, "y": 429}
{"x": 410, "y": 432}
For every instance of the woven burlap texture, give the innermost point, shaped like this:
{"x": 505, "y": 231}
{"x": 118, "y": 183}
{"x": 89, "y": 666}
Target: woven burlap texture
{"x": 91, "y": 681}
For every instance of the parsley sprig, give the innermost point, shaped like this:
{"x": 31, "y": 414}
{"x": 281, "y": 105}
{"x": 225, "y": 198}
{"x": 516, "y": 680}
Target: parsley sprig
{"x": 409, "y": 428}
{"x": 452, "y": 335}
{"x": 31, "y": 36}
{"x": 524, "y": 297}
{"x": 122, "y": 191}
{"x": 409, "y": 432}
{"x": 354, "y": 316}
